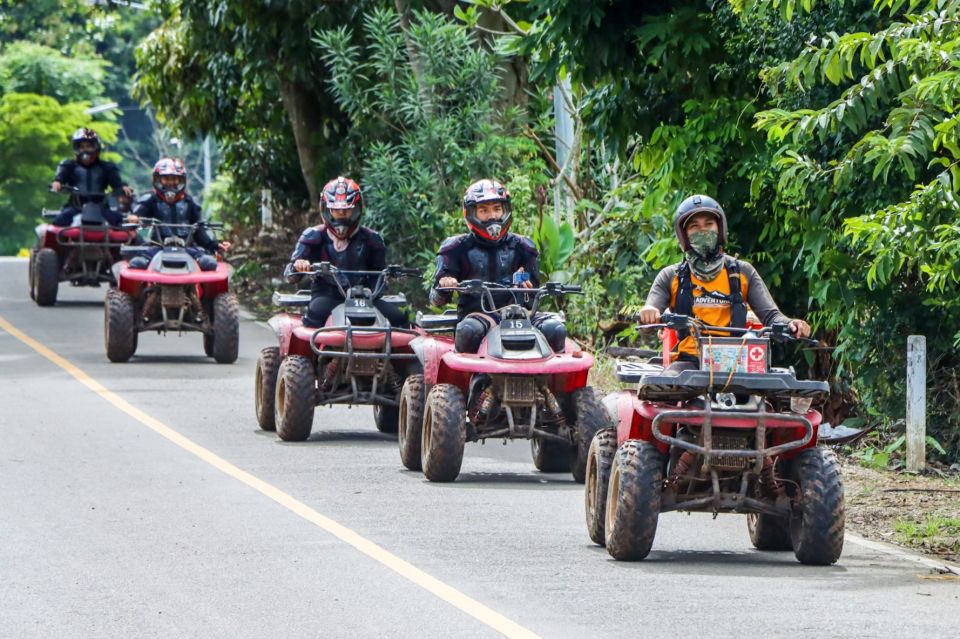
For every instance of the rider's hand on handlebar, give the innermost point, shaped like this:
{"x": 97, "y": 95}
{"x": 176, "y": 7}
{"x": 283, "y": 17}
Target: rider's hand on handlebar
{"x": 128, "y": 191}
{"x": 301, "y": 266}
{"x": 799, "y": 328}
{"x": 224, "y": 246}
{"x": 649, "y": 315}
{"x": 133, "y": 219}
{"x": 55, "y": 187}
{"x": 448, "y": 282}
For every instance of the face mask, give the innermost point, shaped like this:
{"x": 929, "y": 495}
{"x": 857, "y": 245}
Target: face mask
{"x": 85, "y": 157}
{"x": 704, "y": 256}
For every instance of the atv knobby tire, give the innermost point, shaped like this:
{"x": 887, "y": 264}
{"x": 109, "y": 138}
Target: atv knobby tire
{"x": 410, "y": 422}
{"x": 208, "y": 344}
{"x": 599, "y": 460}
{"x": 226, "y": 328}
{"x": 46, "y": 277}
{"x": 444, "y": 433}
{"x": 386, "y": 418}
{"x": 633, "y": 500}
{"x": 768, "y": 532}
{"x": 295, "y": 398}
{"x": 551, "y": 456}
{"x": 31, "y": 279}
{"x": 589, "y": 416}
{"x": 119, "y": 326}
{"x": 265, "y": 387}
{"x": 816, "y": 527}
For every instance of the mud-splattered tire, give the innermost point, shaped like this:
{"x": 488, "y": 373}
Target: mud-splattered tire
{"x": 444, "y": 433}
{"x": 46, "y": 277}
{"x": 265, "y": 387}
{"x": 599, "y": 459}
{"x": 226, "y": 328}
{"x": 208, "y": 344}
{"x": 386, "y": 418}
{"x": 768, "y": 532}
{"x": 119, "y": 326}
{"x": 31, "y": 280}
{"x": 410, "y": 422}
{"x": 550, "y": 456}
{"x": 589, "y": 416}
{"x": 633, "y": 500}
{"x": 295, "y": 398}
{"x": 816, "y": 529}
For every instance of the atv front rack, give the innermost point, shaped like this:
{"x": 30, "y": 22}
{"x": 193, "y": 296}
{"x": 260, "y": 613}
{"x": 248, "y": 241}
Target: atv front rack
{"x": 693, "y": 383}
{"x": 356, "y": 396}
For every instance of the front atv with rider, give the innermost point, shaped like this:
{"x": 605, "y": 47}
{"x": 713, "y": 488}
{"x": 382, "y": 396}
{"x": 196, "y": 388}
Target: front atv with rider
{"x": 169, "y": 287}
{"x": 734, "y": 436}
{"x": 514, "y": 387}
{"x": 357, "y": 358}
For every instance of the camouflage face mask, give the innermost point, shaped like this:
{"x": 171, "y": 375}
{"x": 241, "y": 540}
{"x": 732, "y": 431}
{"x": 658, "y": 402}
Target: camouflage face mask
{"x": 704, "y": 255}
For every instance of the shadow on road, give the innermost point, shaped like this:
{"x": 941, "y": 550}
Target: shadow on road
{"x": 492, "y": 480}
{"x": 338, "y": 437}
{"x": 739, "y": 563}
{"x": 79, "y": 304}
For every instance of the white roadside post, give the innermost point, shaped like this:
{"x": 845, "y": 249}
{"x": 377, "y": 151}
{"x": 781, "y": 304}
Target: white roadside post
{"x": 266, "y": 209}
{"x": 916, "y": 403}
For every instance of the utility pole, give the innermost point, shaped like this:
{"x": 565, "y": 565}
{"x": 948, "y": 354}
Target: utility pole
{"x": 563, "y": 135}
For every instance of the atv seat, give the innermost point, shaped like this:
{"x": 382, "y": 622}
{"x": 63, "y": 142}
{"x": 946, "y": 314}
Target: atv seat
{"x": 438, "y": 323}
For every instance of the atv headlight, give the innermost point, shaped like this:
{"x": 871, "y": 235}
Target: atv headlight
{"x": 801, "y": 405}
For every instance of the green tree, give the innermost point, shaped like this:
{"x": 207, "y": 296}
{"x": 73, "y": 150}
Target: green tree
{"x": 26, "y": 67}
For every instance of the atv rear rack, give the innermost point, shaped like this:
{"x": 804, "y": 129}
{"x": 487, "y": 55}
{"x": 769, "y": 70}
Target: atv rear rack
{"x": 693, "y": 383}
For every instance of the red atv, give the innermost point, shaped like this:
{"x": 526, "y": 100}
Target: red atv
{"x": 172, "y": 295}
{"x": 356, "y": 358}
{"x": 82, "y": 254}
{"x": 735, "y": 436}
{"x": 514, "y": 387}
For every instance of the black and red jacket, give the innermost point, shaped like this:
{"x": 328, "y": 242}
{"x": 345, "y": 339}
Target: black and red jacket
{"x": 366, "y": 251}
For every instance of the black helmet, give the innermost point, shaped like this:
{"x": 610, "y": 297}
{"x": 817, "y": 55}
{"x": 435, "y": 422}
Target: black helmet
{"x": 84, "y": 134}
{"x": 690, "y": 207}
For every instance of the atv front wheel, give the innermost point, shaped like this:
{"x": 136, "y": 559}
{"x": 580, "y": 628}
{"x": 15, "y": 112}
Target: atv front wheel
{"x": 46, "y": 277}
{"x": 265, "y": 386}
{"x": 119, "y": 326}
{"x": 589, "y": 416}
{"x": 816, "y": 527}
{"x": 444, "y": 433}
{"x": 226, "y": 328}
{"x": 295, "y": 398}
{"x": 599, "y": 459}
{"x": 410, "y": 422}
{"x": 633, "y": 500}
{"x": 768, "y": 532}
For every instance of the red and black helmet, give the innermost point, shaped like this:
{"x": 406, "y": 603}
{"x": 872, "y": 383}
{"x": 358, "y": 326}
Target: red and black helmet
{"x": 487, "y": 191}
{"x": 342, "y": 193}
{"x": 690, "y": 207}
{"x": 171, "y": 167}
{"x": 82, "y": 135}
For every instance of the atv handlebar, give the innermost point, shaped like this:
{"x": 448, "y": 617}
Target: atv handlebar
{"x": 484, "y": 289}
{"x": 393, "y": 271}
{"x": 778, "y": 331}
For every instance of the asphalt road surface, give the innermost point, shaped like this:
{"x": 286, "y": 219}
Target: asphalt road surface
{"x": 141, "y": 500}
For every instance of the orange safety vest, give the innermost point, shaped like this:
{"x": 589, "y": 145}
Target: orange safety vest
{"x": 714, "y": 302}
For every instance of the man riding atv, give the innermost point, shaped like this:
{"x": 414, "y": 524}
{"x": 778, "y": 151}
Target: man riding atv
{"x": 170, "y": 204}
{"x": 341, "y": 241}
{"x": 88, "y": 174}
{"x": 491, "y": 254}
{"x": 709, "y": 284}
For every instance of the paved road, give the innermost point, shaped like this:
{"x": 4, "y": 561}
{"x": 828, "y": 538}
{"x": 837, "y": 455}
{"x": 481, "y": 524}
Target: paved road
{"x": 141, "y": 500}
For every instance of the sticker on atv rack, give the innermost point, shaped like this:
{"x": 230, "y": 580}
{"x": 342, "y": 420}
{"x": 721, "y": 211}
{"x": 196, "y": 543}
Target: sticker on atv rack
{"x": 726, "y": 354}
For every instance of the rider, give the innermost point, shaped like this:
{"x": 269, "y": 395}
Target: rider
{"x": 489, "y": 253}
{"x": 170, "y": 204}
{"x": 709, "y": 284}
{"x": 90, "y": 174}
{"x": 345, "y": 244}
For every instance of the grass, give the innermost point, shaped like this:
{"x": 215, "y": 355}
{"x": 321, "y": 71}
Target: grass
{"x": 934, "y": 527}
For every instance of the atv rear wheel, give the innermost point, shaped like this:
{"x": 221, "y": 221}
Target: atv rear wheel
{"x": 208, "y": 344}
{"x": 410, "y": 422}
{"x": 768, "y": 532}
{"x": 265, "y": 386}
{"x": 386, "y": 418}
{"x": 46, "y": 277}
{"x": 226, "y": 328}
{"x": 589, "y": 417}
{"x": 444, "y": 433}
{"x": 816, "y": 527}
{"x": 633, "y": 500}
{"x": 295, "y": 398}
{"x": 550, "y": 456}
{"x": 119, "y": 326}
{"x": 31, "y": 280}
{"x": 599, "y": 459}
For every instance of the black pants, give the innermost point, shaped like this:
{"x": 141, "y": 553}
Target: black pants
{"x": 322, "y": 305}
{"x": 473, "y": 327}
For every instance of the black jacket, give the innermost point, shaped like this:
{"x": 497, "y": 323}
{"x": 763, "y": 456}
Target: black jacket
{"x": 366, "y": 251}
{"x": 186, "y": 211}
{"x": 92, "y": 179}
{"x": 466, "y": 257}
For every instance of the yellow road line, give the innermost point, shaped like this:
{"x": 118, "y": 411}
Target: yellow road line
{"x": 403, "y": 568}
